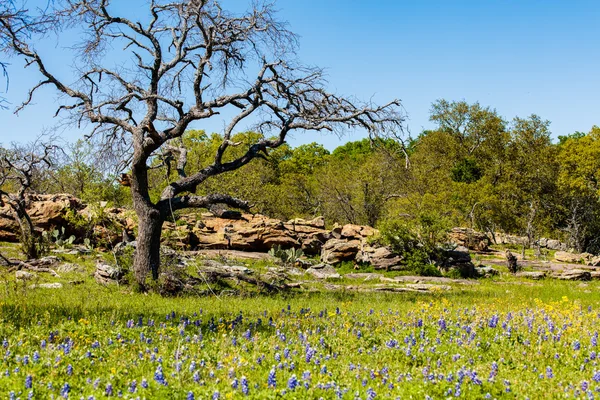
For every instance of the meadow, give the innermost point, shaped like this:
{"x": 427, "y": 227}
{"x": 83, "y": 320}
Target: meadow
{"x": 497, "y": 339}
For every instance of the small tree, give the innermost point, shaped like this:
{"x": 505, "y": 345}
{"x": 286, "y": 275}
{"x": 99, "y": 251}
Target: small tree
{"x": 20, "y": 167}
{"x": 187, "y": 61}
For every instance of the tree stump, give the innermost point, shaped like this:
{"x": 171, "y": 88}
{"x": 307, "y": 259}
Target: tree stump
{"x": 511, "y": 262}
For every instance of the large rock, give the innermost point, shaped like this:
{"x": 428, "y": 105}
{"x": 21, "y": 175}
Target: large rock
{"x": 357, "y": 232}
{"x": 47, "y": 212}
{"x": 458, "y": 259}
{"x": 469, "y": 238}
{"x": 572, "y": 258}
{"x": 379, "y": 258}
{"x": 338, "y": 250}
{"x": 574, "y": 275}
{"x": 107, "y": 273}
{"x": 326, "y": 272}
{"x": 254, "y": 233}
{"x": 535, "y": 275}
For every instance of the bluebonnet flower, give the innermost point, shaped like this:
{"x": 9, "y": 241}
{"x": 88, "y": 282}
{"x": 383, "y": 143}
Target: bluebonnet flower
{"x": 66, "y": 389}
{"x": 69, "y": 370}
{"x": 28, "y": 382}
{"x": 216, "y": 395}
{"x": 584, "y": 386}
{"x": 234, "y": 384}
{"x": 371, "y": 394}
{"x": 196, "y": 377}
{"x": 596, "y": 377}
{"x": 36, "y": 356}
{"x": 159, "y": 376}
{"x": 272, "y": 379}
{"x": 190, "y": 396}
{"x": 245, "y": 389}
{"x": 549, "y": 373}
{"x": 292, "y": 382}
{"x": 5, "y": 343}
{"x": 133, "y": 386}
{"x": 144, "y": 383}
{"x": 109, "y": 389}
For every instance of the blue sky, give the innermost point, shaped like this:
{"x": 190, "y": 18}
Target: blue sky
{"x": 520, "y": 57}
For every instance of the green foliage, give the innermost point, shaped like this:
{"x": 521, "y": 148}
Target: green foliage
{"x": 287, "y": 256}
{"x": 417, "y": 241}
{"x": 59, "y": 238}
{"x": 466, "y": 171}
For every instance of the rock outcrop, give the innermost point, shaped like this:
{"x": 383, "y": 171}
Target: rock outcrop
{"x": 380, "y": 258}
{"x": 469, "y": 238}
{"x": 46, "y": 211}
{"x": 459, "y": 260}
{"x": 573, "y": 258}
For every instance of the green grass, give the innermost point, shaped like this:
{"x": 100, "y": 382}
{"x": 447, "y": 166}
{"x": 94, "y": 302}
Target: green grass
{"x": 203, "y": 344}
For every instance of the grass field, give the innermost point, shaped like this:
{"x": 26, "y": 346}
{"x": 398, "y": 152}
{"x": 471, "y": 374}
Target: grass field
{"x": 501, "y": 338}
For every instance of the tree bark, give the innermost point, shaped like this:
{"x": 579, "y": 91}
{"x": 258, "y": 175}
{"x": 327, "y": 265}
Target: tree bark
{"x": 147, "y": 254}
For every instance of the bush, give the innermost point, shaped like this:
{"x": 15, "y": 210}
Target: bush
{"x": 417, "y": 240}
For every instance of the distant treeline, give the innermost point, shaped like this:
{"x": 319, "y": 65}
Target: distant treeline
{"x": 475, "y": 169}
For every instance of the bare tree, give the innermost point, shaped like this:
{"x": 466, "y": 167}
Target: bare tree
{"x": 19, "y": 168}
{"x": 189, "y": 61}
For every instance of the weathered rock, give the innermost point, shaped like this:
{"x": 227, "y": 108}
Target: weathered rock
{"x": 69, "y": 267}
{"x": 365, "y": 276}
{"x": 46, "y": 212}
{"x": 415, "y": 288}
{"x": 24, "y": 275}
{"x": 572, "y": 258}
{"x": 107, "y": 273}
{"x": 259, "y": 233}
{"x": 379, "y": 258}
{"x": 327, "y": 272}
{"x": 427, "y": 287}
{"x": 487, "y": 271}
{"x": 357, "y": 232}
{"x": 594, "y": 261}
{"x": 337, "y": 250}
{"x": 458, "y": 259}
{"x": 469, "y": 238}
{"x": 574, "y": 275}
{"x": 54, "y": 285}
{"x": 553, "y": 244}
{"x": 535, "y": 275}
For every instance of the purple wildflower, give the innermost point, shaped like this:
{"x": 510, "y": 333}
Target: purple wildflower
{"x": 272, "y": 379}
{"x": 245, "y": 388}
{"x": 292, "y": 382}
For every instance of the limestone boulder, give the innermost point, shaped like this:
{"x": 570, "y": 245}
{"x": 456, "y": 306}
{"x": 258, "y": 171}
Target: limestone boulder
{"x": 469, "y": 238}
{"x": 326, "y": 272}
{"x": 106, "y": 274}
{"x": 535, "y": 275}
{"x": 574, "y": 275}
{"x": 47, "y": 212}
{"x": 573, "y": 258}
{"x": 337, "y": 250}
{"x": 357, "y": 232}
{"x": 380, "y": 258}
{"x": 458, "y": 259}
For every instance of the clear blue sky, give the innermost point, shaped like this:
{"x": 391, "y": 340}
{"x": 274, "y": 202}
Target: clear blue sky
{"x": 520, "y": 57}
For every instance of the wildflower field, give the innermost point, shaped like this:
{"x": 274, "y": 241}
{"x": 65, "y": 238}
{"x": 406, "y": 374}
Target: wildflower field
{"x": 489, "y": 340}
